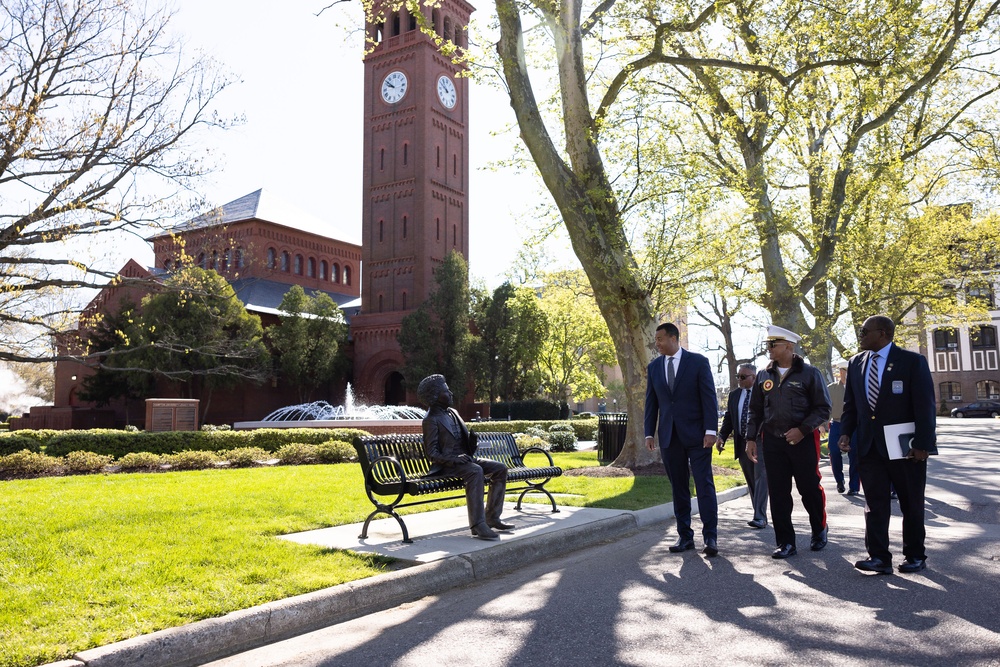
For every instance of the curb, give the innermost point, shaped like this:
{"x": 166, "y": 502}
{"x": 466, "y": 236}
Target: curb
{"x": 215, "y": 638}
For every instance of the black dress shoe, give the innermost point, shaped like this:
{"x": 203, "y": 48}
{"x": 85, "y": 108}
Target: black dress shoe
{"x": 483, "y": 532}
{"x": 840, "y": 488}
{"x": 819, "y": 541}
{"x": 852, "y": 492}
{"x": 874, "y": 565}
{"x": 784, "y": 551}
{"x": 757, "y": 523}
{"x": 711, "y": 548}
{"x": 681, "y": 545}
{"x": 913, "y": 565}
{"x": 497, "y": 524}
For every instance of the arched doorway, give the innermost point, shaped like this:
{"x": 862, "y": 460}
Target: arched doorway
{"x": 395, "y": 392}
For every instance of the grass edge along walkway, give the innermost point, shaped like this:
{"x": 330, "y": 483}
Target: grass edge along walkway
{"x": 90, "y": 560}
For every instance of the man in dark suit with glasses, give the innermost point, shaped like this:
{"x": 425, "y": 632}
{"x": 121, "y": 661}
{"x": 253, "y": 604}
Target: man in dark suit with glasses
{"x": 735, "y": 423}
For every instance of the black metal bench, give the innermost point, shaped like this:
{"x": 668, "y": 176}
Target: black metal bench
{"x": 395, "y": 464}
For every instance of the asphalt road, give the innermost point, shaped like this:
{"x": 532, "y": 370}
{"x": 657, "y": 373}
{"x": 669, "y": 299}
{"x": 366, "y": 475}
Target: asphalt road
{"x": 631, "y": 602}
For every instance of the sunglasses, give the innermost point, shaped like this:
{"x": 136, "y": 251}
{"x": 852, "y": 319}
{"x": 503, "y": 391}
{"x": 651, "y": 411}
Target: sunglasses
{"x": 744, "y": 377}
{"x": 772, "y": 343}
{"x": 865, "y": 332}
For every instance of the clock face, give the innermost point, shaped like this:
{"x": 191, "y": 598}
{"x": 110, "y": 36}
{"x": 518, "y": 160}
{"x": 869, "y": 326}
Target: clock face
{"x": 446, "y": 92}
{"x": 394, "y": 87}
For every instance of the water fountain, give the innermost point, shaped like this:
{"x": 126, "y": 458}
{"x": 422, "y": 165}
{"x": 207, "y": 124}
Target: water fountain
{"x": 376, "y": 419}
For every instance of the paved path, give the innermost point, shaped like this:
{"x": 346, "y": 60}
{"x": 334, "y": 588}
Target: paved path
{"x": 631, "y": 602}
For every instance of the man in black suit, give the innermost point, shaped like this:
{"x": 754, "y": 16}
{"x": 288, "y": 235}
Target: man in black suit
{"x": 887, "y": 385}
{"x": 735, "y": 422}
{"x": 682, "y": 410}
{"x": 451, "y": 447}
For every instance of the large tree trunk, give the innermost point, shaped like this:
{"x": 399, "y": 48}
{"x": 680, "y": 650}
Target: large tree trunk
{"x": 586, "y": 201}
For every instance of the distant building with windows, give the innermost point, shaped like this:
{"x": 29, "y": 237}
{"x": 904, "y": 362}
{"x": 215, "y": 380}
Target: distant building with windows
{"x": 965, "y": 361}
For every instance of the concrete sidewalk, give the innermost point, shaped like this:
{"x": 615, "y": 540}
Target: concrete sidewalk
{"x": 443, "y": 555}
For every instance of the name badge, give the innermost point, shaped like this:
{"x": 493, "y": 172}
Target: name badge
{"x": 897, "y": 386}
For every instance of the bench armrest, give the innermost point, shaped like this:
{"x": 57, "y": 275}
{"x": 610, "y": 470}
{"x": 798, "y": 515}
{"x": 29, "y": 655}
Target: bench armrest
{"x": 538, "y": 449}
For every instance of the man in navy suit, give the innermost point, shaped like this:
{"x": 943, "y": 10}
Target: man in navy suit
{"x": 735, "y": 422}
{"x": 887, "y": 385}
{"x": 681, "y": 408}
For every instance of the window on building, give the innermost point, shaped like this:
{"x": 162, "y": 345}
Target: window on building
{"x": 381, "y": 231}
{"x": 982, "y": 295}
{"x": 322, "y": 269}
{"x": 167, "y": 264}
{"x": 406, "y": 152}
{"x": 950, "y": 391}
{"x": 404, "y": 300}
{"x": 454, "y": 165}
{"x": 381, "y": 159}
{"x": 380, "y": 303}
{"x": 347, "y": 275}
{"x": 311, "y": 268}
{"x": 286, "y": 261}
{"x": 272, "y": 258}
{"x": 227, "y": 259}
{"x": 454, "y": 235}
{"x": 945, "y": 339}
{"x": 298, "y": 265}
{"x": 404, "y": 226}
{"x": 201, "y": 260}
{"x": 239, "y": 258}
{"x": 438, "y": 221}
{"x": 215, "y": 260}
{"x": 987, "y": 390}
{"x": 984, "y": 337}
{"x": 335, "y": 273}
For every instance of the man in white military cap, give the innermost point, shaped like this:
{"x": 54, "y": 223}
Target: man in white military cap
{"x": 836, "y": 391}
{"x": 787, "y": 406}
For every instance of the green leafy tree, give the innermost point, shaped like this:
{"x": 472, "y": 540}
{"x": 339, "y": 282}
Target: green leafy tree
{"x": 109, "y": 340}
{"x": 195, "y": 332}
{"x": 512, "y": 329}
{"x": 100, "y": 113}
{"x": 577, "y": 347}
{"x": 310, "y": 340}
{"x": 435, "y": 338}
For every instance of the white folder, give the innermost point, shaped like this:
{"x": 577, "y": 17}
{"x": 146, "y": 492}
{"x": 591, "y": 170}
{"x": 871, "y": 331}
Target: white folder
{"x": 897, "y": 439}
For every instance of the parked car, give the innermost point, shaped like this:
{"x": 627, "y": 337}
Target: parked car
{"x": 980, "y": 409}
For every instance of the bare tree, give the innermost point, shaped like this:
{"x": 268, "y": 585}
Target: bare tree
{"x": 99, "y": 108}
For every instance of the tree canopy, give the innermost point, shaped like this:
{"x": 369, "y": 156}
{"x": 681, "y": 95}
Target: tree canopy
{"x": 99, "y": 117}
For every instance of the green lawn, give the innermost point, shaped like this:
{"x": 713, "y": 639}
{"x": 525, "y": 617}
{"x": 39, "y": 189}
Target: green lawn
{"x": 89, "y": 560}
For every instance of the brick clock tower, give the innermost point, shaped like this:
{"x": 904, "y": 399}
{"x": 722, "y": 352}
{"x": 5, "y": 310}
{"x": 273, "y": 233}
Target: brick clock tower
{"x": 415, "y": 184}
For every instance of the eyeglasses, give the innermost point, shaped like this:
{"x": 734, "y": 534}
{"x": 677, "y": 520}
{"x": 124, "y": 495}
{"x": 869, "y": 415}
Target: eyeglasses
{"x": 744, "y": 377}
{"x": 772, "y": 343}
{"x": 865, "y": 332}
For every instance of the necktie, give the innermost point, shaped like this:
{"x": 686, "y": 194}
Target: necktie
{"x": 873, "y": 381}
{"x": 670, "y": 373}
{"x": 745, "y": 413}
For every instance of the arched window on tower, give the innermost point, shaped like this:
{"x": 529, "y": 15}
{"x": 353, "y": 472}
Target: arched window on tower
{"x": 286, "y": 261}
{"x": 347, "y": 275}
{"x": 381, "y": 159}
{"x": 454, "y": 164}
{"x": 404, "y": 300}
{"x": 381, "y": 231}
{"x": 438, "y": 221}
{"x": 380, "y": 303}
{"x": 311, "y": 268}
{"x": 454, "y": 235}
{"x": 404, "y": 226}
{"x": 298, "y": 265}
{"x": 447, "y": 27}
{"x": 413, "y": 23}
{"x": 395, "y": 24}
{"x": 406, "y": 153}
{"x": 335, "y": 273}
{"x": 436, "y": 20}
{"x": 272, "y": 258}
{"x": 438, "y": 157}
{"x": 458, "y": 36}
{"x": 322, "y": 269}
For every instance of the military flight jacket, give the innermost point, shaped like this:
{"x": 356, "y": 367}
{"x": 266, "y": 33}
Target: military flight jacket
{"x": 799, "y": 400}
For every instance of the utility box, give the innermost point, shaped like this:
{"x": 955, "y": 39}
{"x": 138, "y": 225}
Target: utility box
{"x": 172, "y": 414}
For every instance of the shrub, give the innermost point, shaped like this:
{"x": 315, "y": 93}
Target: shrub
{"x": 26, "y": 462}
{"x": 192, "y": 460}
{"x": 537, "y": 432}
{"x": 211, "y": 428}
{"x": 297, "y": 452}
{"x": 562, "y": 441}
{"x": 131, "y": 428}
{"x": 11, "y": 443}
{"x": 335, "y": 451}
{"x": 140, "y": 461}
{"x": 241, "y": 457}
{"x": 86, "y": 462}
{"x": 561, "y": 426}
{"x": 585, "y": 429}
{"x": 525, "y": 441}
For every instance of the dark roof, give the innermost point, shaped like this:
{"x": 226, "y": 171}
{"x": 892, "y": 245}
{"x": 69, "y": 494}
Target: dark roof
{"x": 260, "y": 295}
{"x": 263, "y": 205}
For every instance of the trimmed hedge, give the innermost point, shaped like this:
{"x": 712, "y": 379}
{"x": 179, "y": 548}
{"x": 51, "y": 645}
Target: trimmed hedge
{"x": 119, "y": 443}
{"x": 10, "y": 444}
{"x": 583, "y": 428}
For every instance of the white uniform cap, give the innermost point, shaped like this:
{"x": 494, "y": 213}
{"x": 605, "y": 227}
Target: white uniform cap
{"x": 777, "y": 333}
{"x": 841, "y": 365}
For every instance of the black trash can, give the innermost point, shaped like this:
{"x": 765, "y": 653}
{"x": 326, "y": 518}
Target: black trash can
{"x": 611, "y": 429}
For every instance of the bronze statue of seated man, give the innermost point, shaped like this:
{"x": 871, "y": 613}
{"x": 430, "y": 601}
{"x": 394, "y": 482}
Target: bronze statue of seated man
{"x": 451, "y": 447}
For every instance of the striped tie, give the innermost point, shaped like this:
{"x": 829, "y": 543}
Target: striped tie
{"x": 745, "y": 413}
{"x": 873, "y": 381}
{"x": 670, "y": 373}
